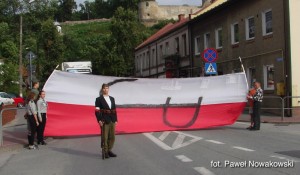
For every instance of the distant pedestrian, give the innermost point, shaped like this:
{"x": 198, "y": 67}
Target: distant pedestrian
{"x": 42, "y": 107}
{"x": 35, "y": 90}
{"x": 257, "y": 100}
{"x": 106, "y": 115}
{"x": 32, "y": 119}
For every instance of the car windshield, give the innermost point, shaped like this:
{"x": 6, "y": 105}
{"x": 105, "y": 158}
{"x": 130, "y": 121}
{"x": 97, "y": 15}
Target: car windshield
{"x": 4, "y": 95}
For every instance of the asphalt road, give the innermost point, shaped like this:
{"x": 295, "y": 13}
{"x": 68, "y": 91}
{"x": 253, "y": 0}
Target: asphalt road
{"x": 230, "y": 150}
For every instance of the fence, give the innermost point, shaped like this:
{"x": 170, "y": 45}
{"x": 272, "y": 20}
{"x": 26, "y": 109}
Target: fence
{"x": 283, "y": 101}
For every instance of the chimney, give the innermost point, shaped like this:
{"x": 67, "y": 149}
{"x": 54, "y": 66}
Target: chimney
{"x": 181, "y": 17}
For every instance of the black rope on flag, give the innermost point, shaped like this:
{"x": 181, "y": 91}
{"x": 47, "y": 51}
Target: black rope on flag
{"x": 190, "y": 123}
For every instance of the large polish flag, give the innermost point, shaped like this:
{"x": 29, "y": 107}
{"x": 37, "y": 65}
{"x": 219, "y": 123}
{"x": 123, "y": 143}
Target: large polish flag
{"x": 143, "y": 104}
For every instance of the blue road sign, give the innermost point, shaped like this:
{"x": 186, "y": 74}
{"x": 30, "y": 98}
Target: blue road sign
{"x": 210, "y": 55}
{"x": 210, "y": 68}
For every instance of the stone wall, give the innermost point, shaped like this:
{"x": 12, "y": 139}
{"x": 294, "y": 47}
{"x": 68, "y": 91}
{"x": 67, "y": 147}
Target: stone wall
{"x": 150, "y": 12}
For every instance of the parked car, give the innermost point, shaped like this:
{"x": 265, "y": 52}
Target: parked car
{"x": 5, "y": 99}
{"x": 19, "y": 101}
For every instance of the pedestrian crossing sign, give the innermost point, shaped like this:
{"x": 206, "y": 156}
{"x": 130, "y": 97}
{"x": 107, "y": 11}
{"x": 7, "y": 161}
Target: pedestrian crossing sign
{"x": 210, "y": 68}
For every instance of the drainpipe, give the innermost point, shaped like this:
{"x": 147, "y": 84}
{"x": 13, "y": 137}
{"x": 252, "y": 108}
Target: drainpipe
{"x": 190, "y": 49}
{"x": 287, "y": 54}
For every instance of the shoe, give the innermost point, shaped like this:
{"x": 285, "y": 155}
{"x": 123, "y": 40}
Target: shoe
{"x": 249, "y": 127}
{"x": 106, "y": 155}
{"x": 111, "y": 154}
{"x": 43, "y": 143}
{"x": 254, "y": 129}
{"x": 32, "y": 147}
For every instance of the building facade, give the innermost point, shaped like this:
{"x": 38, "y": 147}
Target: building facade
{"x": 263, "y": 33}
{"x": 166, "y": 53}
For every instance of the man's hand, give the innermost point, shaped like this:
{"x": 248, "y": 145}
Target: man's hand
{"x": 100, "y": 123}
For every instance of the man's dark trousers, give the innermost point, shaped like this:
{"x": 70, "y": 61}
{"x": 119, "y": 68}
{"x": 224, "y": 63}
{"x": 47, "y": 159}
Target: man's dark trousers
{"x": 256, "y": 114}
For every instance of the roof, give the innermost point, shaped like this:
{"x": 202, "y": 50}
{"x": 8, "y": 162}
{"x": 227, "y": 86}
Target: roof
{"x": 212, "y": 6}
{"x": 163, "y": 31}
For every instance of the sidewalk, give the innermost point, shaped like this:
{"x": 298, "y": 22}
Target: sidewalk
{"x": 272, "y": 119}
{"x": 15, "y": 132}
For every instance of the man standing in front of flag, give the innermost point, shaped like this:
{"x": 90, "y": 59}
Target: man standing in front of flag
{"x": 107, "y": 118}
{"x": 257, "y": 100}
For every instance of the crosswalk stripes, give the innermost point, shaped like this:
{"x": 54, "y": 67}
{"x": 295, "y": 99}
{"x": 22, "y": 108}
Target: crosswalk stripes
{"x": 181, "y": 140}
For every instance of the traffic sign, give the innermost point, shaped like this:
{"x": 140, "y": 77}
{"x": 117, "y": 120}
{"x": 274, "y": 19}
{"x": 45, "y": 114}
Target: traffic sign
{"x": 210, "y": 68}
{"x": 210, "y": 55}
{"x": 30, "y": 55}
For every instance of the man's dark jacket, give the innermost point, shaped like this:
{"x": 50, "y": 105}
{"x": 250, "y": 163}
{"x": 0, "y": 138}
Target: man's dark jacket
{"x": 101, "y": 115}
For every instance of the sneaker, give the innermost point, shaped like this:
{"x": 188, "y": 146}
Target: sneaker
{"x": 32, "y": 147}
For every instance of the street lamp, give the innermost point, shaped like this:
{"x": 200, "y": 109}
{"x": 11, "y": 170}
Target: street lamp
{"x": 20, "y": 53}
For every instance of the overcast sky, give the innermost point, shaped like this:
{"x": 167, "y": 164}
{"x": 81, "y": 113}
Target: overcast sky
{"x": 164, "y": 2}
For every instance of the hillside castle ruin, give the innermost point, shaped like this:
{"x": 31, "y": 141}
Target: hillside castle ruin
{"x": 150, "y": 12}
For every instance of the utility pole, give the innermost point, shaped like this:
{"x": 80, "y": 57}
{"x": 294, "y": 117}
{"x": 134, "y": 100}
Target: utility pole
{"x": 20, "y": 58}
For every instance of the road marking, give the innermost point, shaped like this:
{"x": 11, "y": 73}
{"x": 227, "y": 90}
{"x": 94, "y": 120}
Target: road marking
{"x": 157, "y": 141}
{"x": 242, "y": 148}
{"x": 183, "y": 158}
{"x": 215, "y": 141}
{"x": 284, "y": 158}
{"x": 203, "y": 171}
{"x": 178, "y": 142}
{"x": 164, "y": 135}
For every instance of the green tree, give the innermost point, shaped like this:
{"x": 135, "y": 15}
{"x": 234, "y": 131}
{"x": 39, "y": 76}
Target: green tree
{"x": 8, "y": 77}
{"x": 66, "y": 9}
{"x": 127, "y": 33}
{"x": 53, "y": 47}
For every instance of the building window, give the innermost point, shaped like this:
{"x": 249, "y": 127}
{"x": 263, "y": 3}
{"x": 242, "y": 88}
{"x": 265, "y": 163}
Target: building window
{"x": 251, "y": 76}
{"x": 250, "y": 28}
{"x": 269, "y": 77}
{"x": 197, "y": 45}
{"x": 177, "y": 49}
{"x": 235, "y": 33}
{"x": 167, "y": 48}
{"x": 219, "y": 39}
{"x": 148, "y": 60}
{"x": 153, "y": 61}
{"x": 184, "y": 45}
{"x": 144, "y": 61}
{"x": 206, "y": 40}
{"x": 161, "y": 53}
{"x": 267, "y": 22}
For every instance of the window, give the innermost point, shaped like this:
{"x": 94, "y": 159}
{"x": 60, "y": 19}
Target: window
{"x": 144, "y": 61}
{"x": 161, "y": 53}
{"x": 267, "y": 22}
{"x": 147, "y": 60}
{"x": 197, "y": 45}
{"x": 177, "y": 49}
{"x": 219, "y": 42}
{"x": 251, "y": 76}
{"x": 269, "y": 77}
{"x": 184, "y": 45}
{"x": 235, "y": 33}
{"x": 141, "y": 63}
{"x": 167, "y": 48}
{"x": 153, "y": 61}
{"x": 250, "y": 28}
{"x": 206, "y": 40}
